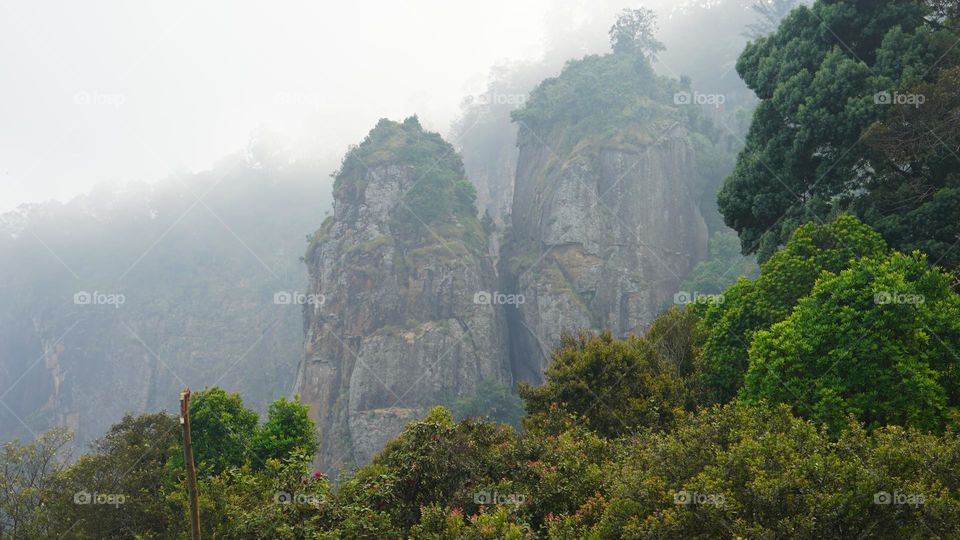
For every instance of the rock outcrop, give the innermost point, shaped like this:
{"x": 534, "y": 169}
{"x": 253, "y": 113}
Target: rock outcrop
{"x": 398, "y": 318}
{"x": 606, "y": 219}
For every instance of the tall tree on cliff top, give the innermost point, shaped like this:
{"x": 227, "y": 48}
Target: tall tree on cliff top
{"x": 635, "y": 31}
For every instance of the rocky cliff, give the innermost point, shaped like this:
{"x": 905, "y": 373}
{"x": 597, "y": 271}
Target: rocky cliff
{"x": 606, "y": 219}
{"x": 605, "y": 223}
{"x": 399, "y": 316}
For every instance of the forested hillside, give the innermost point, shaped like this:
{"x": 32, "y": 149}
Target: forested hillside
{"x": 835, "y": 416}
{"x": 600, "y": 358}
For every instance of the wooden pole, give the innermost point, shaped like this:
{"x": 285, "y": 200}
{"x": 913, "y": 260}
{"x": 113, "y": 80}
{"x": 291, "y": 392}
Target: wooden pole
{"x": 188, "y": 462}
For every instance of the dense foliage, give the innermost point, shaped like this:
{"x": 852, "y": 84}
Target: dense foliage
{"x": 819, "y": 400}
{"x": 438, "y": 185}
{"x": 599, "y": 95}
{"x": 878, "y": 341}
{"x": 757, "y": 472}
{"x": 223, "y": 429}
{"x": 858, "y": 112}
{"x": 838, "y": 418}
{"x": 749, "y": 306}
{"x": 613, "y": 385}
{"x": 227, "y": 435}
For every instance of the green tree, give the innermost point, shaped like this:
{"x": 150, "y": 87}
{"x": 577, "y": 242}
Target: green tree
{"x": 451, "y": 523}
{"x": 288, "y": 430}
{"x": 914, "y": 164}
{"x": 433, "y": 461}
{"x": 879, "y": 341}
{"x": 127, "y": 465}
{"x": 635, "y": 32}
{"x": 829, "y": 72}
{"x": 749, "y": 306}
{"x": 561, "y": 466}
{"x": 27, "y": 485}
{"x": 614, "y": 386}
{"x": 222, "y": 429}
{"x": 280, "y": 500}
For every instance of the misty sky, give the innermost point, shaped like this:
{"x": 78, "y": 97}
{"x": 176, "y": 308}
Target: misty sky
{"x": 120, "y": 90}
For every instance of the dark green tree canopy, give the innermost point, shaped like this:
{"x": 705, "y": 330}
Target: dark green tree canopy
{"x": 128, "y": 461}
{"x": 828, "y": 73}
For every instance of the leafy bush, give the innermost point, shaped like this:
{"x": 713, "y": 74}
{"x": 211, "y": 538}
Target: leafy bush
{"x": 287, "y": 431}
{"x": 750, "y": 306}
{"x": 760, "y": 472}
{"x": 877, "y": 341}
{"x": 615, "y": 386}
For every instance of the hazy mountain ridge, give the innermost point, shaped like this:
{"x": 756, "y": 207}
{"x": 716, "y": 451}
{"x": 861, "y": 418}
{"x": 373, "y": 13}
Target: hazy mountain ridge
{"x": 214, "y": 271}
{"x": 114, "y": 300}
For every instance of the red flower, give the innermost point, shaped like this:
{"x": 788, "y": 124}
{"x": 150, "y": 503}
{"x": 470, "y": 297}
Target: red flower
{"x": 318, "y": 474}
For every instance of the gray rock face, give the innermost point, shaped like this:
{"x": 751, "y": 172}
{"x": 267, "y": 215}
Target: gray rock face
{"x": 602, "y": 238}
{"x": 494, "y": 184}
{"x": 398, "y": 329}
